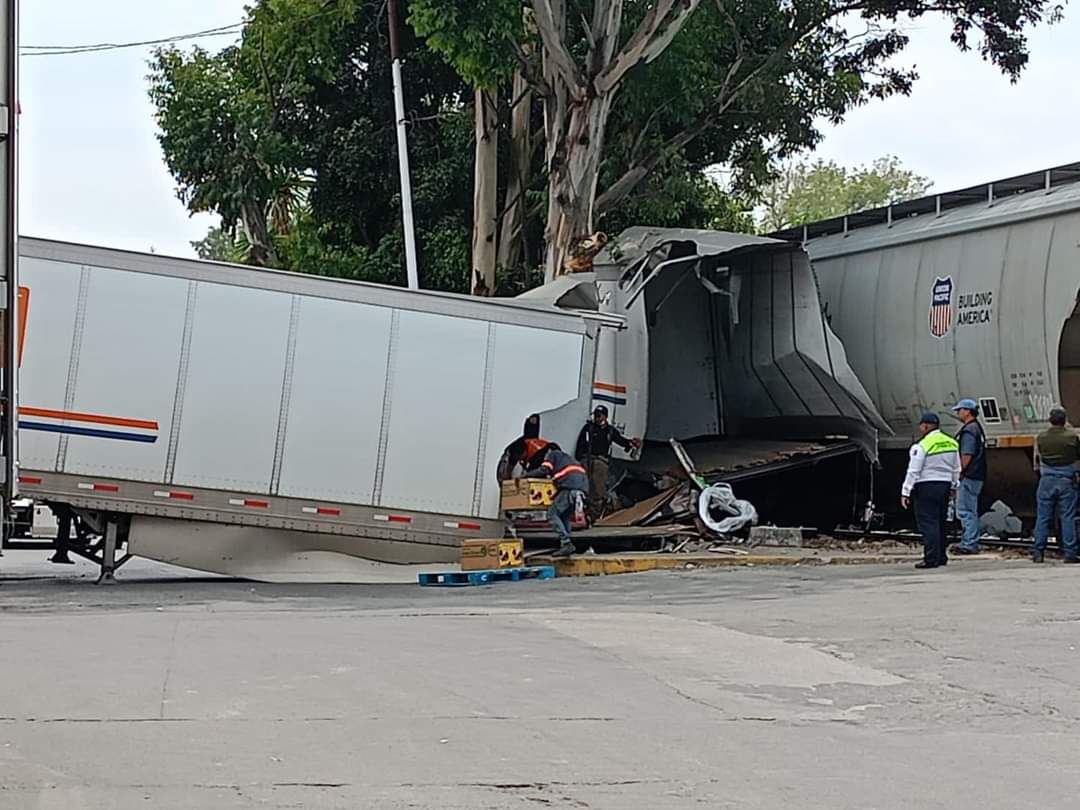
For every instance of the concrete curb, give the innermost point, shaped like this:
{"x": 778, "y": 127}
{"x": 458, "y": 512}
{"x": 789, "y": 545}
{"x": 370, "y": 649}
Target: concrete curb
{"x": 609, "y": 564}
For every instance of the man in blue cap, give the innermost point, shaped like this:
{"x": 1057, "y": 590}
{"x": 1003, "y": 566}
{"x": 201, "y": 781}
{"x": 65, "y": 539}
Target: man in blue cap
{"x": 972, "y": 474}
{"x": 932, "y": 475}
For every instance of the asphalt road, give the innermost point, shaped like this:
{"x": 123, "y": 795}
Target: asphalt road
{"x": 796, "y": 688}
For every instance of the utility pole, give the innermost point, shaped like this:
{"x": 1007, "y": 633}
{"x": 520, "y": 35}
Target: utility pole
{"x": 403, "y": 149}
{"x": 9, "y": 282}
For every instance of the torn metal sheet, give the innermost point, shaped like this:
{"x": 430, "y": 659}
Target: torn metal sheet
{"x": 732, "y": 459}
{"x": 725, "y": 336}
{"x": 640, "y": 512}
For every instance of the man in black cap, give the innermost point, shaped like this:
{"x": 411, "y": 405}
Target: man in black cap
{"x": 932, "y": 476}
{"x": 594, "y": 449}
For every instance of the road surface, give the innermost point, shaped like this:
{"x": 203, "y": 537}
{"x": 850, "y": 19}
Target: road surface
{"x": 795, "y": 688}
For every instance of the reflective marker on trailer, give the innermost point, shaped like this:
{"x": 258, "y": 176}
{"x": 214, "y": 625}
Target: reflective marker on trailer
{"x": 249, "y": 502}
{"x": 99, "y": 487}
{"x": 453, "y": 524}
{"x": 393, "y": 518}
{"x": 180, "y": 496}
{"x": 29, "y": 479}
{"x": 321, "y": 510}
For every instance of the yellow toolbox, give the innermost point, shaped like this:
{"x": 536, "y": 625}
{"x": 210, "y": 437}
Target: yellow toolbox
{"x": 527, "y": 493}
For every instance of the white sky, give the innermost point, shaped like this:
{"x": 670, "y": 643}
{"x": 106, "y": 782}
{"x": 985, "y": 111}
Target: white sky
{"x": 92, "y": 169}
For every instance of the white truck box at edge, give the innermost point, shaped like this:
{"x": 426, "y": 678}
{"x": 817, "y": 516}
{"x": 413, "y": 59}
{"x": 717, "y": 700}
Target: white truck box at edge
{"x": 261, "y": 423}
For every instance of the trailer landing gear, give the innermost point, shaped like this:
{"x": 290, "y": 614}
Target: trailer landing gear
{"x": 108, "y": 555}
{"x": 98, "y": 537}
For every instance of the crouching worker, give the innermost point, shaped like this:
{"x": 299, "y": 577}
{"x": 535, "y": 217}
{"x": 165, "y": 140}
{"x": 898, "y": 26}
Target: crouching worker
{"x": 573, "y": 488}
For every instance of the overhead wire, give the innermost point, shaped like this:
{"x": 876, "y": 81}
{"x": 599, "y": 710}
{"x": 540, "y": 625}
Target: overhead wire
{"x": 66, "y": 50}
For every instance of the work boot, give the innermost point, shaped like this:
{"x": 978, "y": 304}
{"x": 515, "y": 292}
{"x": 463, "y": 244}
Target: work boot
{"x": 1071, "y": 560}
{"x": 565, "y": 550}
{"x": 61, "y": 559}
{"x": 965, "y": 550}
{"x": 1036, "y": 556}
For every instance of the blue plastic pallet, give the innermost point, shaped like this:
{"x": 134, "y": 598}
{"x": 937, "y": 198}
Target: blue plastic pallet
{"x": 459, "y": 578}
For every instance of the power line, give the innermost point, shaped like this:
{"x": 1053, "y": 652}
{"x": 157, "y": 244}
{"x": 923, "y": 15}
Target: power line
{"x": 64, "y": 50}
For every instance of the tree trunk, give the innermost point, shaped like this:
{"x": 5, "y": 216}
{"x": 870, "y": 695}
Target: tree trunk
{"x": 575, "y": 142}
{"x": 261, "y": 252}
{"x": 512, "y": 234}
{"x": 577, "y": 103}
{"x": 485, "y": 192}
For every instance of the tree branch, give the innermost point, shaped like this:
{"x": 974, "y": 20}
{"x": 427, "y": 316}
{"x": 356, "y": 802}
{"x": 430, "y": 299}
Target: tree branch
{"x": 729, "y": 93}
{"x": 604, "y": 37}
{"x": 551, "y": 25}
{"x": 654, "y": 33}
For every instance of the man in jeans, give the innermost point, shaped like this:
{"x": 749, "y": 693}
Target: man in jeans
{"x": 1057, "y": 450}
{"x": 573, "y": 485}
{"x": 972, "y": 474}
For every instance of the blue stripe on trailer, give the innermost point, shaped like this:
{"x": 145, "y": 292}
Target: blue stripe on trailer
{"x": 459, "y": 578}
{"x": 72, "y": 430}
{"x": 614, "y": 400}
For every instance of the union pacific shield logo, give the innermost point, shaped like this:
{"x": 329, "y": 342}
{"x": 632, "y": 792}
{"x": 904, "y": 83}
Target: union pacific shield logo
{"x": 941, "y": 307}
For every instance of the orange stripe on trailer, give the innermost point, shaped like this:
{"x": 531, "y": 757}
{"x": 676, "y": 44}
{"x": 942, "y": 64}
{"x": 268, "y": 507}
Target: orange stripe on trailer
{"x": 614, "y": 388}
{"x": 1016, "y": 441}
{"x": 94, "y": 418}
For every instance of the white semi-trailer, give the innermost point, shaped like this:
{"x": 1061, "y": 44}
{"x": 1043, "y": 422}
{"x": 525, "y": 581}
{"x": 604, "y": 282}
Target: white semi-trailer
{"x": 275, "y": 425}
{"x": 269, "y": 424}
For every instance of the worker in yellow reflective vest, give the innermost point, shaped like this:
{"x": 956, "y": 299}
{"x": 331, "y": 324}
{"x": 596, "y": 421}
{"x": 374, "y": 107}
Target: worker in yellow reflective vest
{"x": 932, "y": 476}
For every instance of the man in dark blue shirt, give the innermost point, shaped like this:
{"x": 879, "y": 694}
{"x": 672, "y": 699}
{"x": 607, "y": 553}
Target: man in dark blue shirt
{"x": 972, "y": 474}
{"x": 573, "y": 486}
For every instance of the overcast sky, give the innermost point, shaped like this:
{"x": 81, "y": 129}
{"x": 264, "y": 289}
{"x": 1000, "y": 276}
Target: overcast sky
{"x": 92, "y": 169}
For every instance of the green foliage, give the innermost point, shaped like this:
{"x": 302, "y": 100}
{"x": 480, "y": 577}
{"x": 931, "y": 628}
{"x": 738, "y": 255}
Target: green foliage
{"x": 478, "y": 38}
{"x": 220, "y": 246}
{"x": 742, "y": 85}
{"x": 808, "y": 192}
{"x": 296, "y": 122}
{"x": 214, "y": 131}
{"x": 676, "y": 196}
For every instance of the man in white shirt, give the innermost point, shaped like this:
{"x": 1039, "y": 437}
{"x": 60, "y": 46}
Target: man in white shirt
{"x": 932, "y": 476}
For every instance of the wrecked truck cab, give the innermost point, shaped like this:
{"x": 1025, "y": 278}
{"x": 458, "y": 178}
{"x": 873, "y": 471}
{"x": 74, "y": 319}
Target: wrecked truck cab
{"x": 724, "y": 337}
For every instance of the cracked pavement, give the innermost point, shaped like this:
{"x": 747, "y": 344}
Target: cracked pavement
{"x": 823, "y": 687}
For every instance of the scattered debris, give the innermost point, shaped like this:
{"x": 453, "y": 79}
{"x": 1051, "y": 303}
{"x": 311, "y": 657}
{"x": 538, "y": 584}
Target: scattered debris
{"x": 1000, "y": 521}
{"x": 723, "y": 513}
{"x": 710, "y": 512}
{"x": 781, "y": 536}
